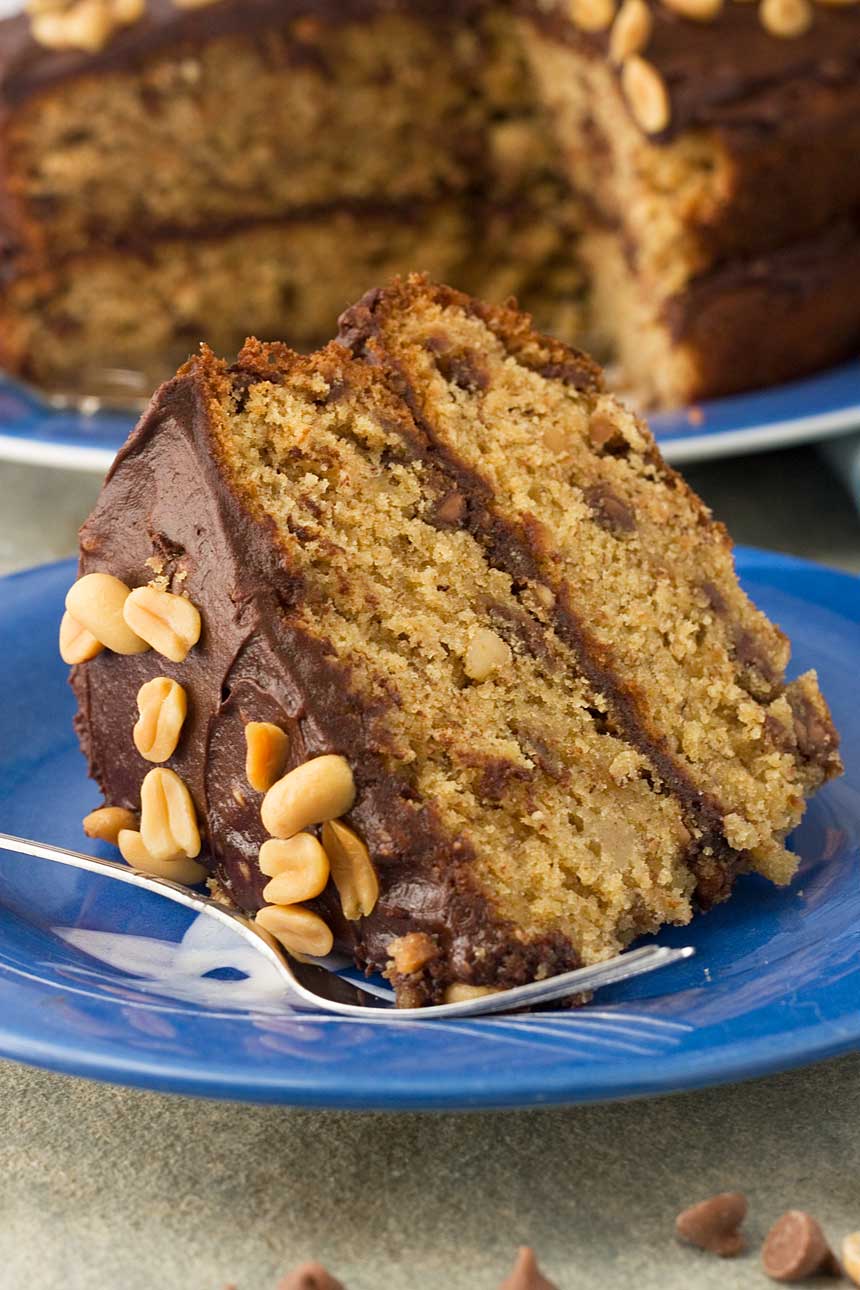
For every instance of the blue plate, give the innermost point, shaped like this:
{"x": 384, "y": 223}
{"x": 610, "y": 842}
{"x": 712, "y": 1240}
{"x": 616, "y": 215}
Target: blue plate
{"x": 775, "y": 982}
{"x": 821, "y": 406}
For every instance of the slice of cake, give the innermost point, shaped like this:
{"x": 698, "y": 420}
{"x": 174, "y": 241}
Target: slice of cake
{"x": 428, "y": 654}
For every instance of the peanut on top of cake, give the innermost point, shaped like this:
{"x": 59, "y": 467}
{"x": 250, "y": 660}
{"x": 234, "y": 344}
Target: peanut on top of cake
{"x": 476, "y": 692}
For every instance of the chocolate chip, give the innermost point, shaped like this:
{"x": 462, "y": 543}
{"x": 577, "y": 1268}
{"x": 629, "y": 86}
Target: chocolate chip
{"x": 450, "y": 510}
{"x": 750, "y": 653}
{"x": 796, "y": 1248}
{"x": 310, "y": 1276}
{"x": 610, "y": 511}
{"x": 715, "y": 597}
{"x": 813, "y": 732}
{"x": 606, "y": 436}
{"x": 714, "y": 1224}
{"x": 464, "y": 369}
{"x": 526, "y": 1274}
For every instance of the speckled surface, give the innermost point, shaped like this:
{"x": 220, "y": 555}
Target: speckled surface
{"x": 110, "y": 1189}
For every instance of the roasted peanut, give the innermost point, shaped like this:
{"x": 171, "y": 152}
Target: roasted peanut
{"x": 77, "y": 645}
{"x": 177, "y": 868}
{"x": 299, "y": 930}
{"x": 266, "y": 756}
{"x": 786, "y": 18}
{"x": 96, "y": 601}
{"x": 169, "y": 623}
{"x": 851, "y": 1257}
{"x": 486, "y": 653}
{"x": 646, "y": 93}
{"x": 168, "y": 821}
{"x": 162, "y": 704}
{"x": 460, "y": 992}
{"x": 298, "y": 868}
{"x": 592, "y": 15}
{"x": 698, "y": 10}
{"x": 80, "y": 24}
{"x": 108, "y": 822}
{"x": 631, "y": 30}
{"x": 352, "y": 870}
{"x": 318, "y": 790}
{"x": 412, "y": 952}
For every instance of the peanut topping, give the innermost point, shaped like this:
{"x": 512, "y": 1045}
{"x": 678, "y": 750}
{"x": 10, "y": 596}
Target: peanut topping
{"x": 486, "y": 653}
{"x": 786, "y": 18}
{"x": 177, "y": 868}
{"x": 352, "y": 870}
{"x": 163, "y": 705}
{"x": 80, "y": 24}
{"x": 169, "y": 623}
{"x": 460, "y": 992}
{"x": 698, "y": 10}
{"x": 851, "y": 1257}
{"x": 168, "y": 821}
{"x": 77, "y": 645}
{"x": 299, "y": 930}
{"x": 412, "y": 952}
{"x": 631, "y": 30}
{"x": 96, "y": 601}
{"x": 107, "y": 823}
{"x": 645, "y": 91}
{"x": 266, "y": 757}
{"x": 298, "y": 868}
{"x": 318, "y": 790}
{"x": 592, "y": 15}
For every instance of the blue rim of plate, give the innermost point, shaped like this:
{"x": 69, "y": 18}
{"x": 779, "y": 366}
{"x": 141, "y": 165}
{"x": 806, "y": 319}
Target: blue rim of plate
{"x": 775, "y": 983}
{"x": 817, "y": 407}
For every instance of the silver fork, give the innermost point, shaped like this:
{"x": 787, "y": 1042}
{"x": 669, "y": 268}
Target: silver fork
{"x": 319, "y": 985}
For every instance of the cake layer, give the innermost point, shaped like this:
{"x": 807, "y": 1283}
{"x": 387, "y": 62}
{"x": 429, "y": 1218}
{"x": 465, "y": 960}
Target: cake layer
{"x": 745, "y": 325}
{"x": 145, "y": 310}
{"x": 641, "y": 577}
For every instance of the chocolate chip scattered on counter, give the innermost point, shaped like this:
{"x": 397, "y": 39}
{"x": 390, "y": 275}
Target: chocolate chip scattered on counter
{"x": 714, "y": 1224}
{"x": 796, "y": 1248}
{"x": 526, "y": 1274}
{"x": 310, "y": 1276}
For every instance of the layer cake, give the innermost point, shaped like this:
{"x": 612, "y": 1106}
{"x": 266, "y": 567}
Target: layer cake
{"x": 672, "y": 184}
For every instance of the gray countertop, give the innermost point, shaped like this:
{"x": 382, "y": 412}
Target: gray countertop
{"x": 110, "y": 1189}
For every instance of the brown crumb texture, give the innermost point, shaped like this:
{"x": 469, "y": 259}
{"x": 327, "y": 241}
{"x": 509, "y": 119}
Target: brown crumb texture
{"x": 640, "y": 577}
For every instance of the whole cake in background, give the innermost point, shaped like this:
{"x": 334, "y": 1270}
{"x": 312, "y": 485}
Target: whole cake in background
{"x": 672, "y": 184}
{"x": 416, "y": 647}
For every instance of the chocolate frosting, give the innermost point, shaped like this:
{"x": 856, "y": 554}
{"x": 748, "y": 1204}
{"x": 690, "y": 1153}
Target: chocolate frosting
{"x": 732, "y": 74}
